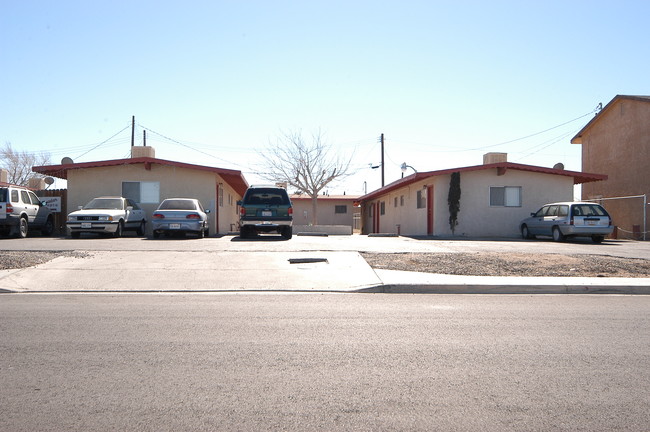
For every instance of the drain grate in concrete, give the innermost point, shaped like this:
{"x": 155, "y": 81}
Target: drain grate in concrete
{"x": 307, "y": 260}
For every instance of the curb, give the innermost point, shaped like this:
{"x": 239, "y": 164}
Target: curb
{"x": 507, "y": 289}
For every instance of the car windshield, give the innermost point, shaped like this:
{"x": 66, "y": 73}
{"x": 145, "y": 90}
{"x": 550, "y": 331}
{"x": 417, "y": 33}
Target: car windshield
{"x": 177, "y": 204}
{"x": 267, "y": 197}
{"x": 104, "y": 204}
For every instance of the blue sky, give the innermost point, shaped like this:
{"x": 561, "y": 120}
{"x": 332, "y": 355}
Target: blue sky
{"x": 215, "y": 82}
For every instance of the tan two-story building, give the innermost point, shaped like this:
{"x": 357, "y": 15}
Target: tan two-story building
{"x": 616, "y": 142}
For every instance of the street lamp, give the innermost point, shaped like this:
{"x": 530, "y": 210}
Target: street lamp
{"x": 404, "y": 167}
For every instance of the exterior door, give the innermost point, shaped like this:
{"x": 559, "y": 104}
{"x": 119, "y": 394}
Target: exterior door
{"x": 375, "y": 212}
{"x": 430, "y": 210}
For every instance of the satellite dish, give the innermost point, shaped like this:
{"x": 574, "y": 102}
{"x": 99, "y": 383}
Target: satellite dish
{"x": 558, "y": 166}
{"x": 66, "y": 161}
{"x": 49, "y": 180}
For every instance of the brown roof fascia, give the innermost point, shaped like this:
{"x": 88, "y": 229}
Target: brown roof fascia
{"x": 233, "y": 177}
{"x": 501, "y": 167}
{"x": 578, "y": 138}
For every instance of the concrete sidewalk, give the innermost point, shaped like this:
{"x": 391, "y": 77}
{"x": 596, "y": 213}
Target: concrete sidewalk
{"x": 315, "y": 271}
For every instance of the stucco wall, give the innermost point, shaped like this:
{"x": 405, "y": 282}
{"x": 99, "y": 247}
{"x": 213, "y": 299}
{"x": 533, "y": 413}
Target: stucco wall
{"x": 476, "y": 218}
{"x": 86, "y": 184}
{"x": 618, "y": 144}
{"x": 302, "y": 211}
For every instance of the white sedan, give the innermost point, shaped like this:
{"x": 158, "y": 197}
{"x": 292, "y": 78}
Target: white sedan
{"x": 107, "y": 215}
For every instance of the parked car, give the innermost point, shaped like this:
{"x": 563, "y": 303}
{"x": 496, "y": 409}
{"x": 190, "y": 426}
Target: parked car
{"x": 22, "y": 211}
{"x": 180, "y": 215}
{"x": 107, "y": 215}
{"x": 568, "y": 219}
{"x": 265, "y": 209}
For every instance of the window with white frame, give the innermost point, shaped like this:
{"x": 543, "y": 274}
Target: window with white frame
{"x": 142, "y": 192}
{"x": 505, "y": 196}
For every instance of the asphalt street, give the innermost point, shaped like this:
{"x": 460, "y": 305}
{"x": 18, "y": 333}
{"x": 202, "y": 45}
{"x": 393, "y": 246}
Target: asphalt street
{"x": 205, "y": 362}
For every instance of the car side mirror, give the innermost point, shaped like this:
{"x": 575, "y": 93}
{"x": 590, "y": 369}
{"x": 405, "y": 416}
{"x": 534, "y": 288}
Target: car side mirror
{"x": 533, "y": 214}
{"x": 207, "y": 211}
{"x": 240, "y": 203}
{"x": 129, "y": 208}
{"x": 80, "y": 207}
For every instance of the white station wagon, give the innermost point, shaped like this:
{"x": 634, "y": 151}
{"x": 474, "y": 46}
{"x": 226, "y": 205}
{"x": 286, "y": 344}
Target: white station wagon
{"x": 568, "y": 219}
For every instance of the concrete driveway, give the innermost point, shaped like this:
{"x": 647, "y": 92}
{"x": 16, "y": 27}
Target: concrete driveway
{"x": 305, "y": 263}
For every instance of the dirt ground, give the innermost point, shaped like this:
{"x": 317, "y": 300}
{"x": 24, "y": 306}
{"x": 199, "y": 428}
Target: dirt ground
{"x": 511, "y": 264}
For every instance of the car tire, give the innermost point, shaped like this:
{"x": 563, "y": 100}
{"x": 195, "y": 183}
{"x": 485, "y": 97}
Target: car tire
{"x": 597, "y": 238}
{"x": 243, "y": 232}
{"x": 207, "y": 231}
{"x": 201, "y": 233}
{"x": 119, "y": 230}
{"x": 287, "y": 232}
{"x": 557, "y": 234}
{"x": 140, "y": 230}
{"x": 48, "y": 228}
{"x": 156, "y": 234}
{"x": 526, "y": 234}
{"x": 22, "y": 228}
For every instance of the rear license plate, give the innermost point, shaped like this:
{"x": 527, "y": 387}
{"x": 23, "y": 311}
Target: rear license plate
{"x": 86, "y": 225}
{"x": 174, "y": 226}
{"x": 267, "y": 213}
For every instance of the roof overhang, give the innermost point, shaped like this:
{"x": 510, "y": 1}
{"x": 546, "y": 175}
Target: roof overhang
{"x": 234, "y": 178}
{"x": 500, "y": 168}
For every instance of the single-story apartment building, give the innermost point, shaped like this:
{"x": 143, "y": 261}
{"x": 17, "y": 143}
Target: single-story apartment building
{"x": 494, "y": 198}
{"x": 333, "y": 210}
{"x": 148, "y": 180}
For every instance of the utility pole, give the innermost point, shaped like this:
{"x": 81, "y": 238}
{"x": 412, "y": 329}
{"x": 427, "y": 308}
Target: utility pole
{"x": 382, "y": 160}
{"x": 132, "y": 131}
{"x": 144, "y": 137}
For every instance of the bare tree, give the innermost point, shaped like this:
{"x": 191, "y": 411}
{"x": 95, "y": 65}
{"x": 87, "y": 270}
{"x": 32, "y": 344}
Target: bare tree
{"x": 19, "y": 164}
{"x": 308, "y": 166}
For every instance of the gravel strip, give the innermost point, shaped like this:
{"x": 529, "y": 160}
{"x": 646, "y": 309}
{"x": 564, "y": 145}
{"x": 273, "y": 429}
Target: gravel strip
{"x": 511, "y": 264}
{"x": 23, "y": 259}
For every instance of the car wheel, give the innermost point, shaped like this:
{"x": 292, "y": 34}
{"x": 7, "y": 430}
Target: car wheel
{"x": 526, "y": 234}
{"x": 48, "y": 228}
{"x": 140, "y": 230}
{"x": 22, "y": 228}
{"x": 243, "y": 232}
{"x": 201, "y": 233}
{"x": 597, "y": 238}
{"x": 207, "y": 231}
{"x": 287, "y": 233}
{"x": 119, "y": 230}
{"x": 557, "y": 234}
{"x": 156, "y": 234}
{"x": 75, "y": 234}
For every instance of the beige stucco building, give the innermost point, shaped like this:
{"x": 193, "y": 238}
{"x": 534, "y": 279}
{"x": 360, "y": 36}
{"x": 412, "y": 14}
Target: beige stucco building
{"x": 494, "y": 198}
{"x": 148, "y": 181}
{"x": 339, "y": 210}
{"x": 616, "y": 142}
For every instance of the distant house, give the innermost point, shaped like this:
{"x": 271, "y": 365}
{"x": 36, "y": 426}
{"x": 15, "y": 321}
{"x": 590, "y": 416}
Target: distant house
{"x": 616, "y": 142}
{"x": 148, "y": 180}
{"x": 494, "y": 197}
{"x": 333, "y": 210}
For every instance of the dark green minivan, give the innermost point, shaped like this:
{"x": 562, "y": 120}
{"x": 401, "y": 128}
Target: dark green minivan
{"x": 265, "y": 209}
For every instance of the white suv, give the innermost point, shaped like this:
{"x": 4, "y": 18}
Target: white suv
{"x": 21, "y": 211}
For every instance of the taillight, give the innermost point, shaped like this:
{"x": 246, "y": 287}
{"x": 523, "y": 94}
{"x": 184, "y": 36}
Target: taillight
{"x": 10, "y": 208}
{"x": 242, "y": 211}
{"x": 290, "y": 211}
{"x": 158, "y": 216}
{"x": 193, "y": 216}
{"x": 571, "y": 221}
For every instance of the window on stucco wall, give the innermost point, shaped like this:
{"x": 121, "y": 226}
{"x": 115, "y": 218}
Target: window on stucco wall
{"x": 506, "y": 196}
{"x": 142, "y": 192}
